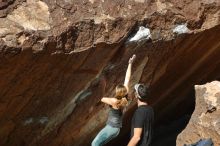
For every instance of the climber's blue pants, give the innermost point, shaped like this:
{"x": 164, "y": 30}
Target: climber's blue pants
{"x": 105, "y": 135}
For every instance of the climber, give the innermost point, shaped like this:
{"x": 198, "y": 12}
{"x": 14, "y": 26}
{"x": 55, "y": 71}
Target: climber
{"x": 142, "y": 120}
{"x": 116, "y": 104}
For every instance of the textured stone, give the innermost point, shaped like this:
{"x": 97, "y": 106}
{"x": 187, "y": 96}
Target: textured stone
{"x": 58, "y": 57}
{"x": 34, "y": 15}
{"x": 204, "y": 122}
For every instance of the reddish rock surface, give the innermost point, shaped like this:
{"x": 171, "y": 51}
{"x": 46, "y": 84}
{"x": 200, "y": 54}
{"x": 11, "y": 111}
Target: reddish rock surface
{"x": 205, "y": 122}
{"x": 57, "y": 57}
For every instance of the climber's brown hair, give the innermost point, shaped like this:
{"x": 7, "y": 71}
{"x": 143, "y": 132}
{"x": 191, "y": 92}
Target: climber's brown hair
{"x": 121, "y": 93}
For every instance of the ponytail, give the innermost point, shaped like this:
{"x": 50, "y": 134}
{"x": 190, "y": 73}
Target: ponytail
{"x": 121, "y": 94}
{"x": 122, "y": 102}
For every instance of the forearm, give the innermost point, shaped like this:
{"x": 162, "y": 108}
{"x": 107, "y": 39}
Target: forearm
{"x": 134, "y": 141}
{"x": 128, "y": 74}
{"x": 107, "y": 100}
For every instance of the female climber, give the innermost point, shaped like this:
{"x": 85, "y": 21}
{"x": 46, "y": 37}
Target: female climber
{"x": 116, "y": 104}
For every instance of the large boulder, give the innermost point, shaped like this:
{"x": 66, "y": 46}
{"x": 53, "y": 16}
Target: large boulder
{"x": 205, "y": 120}
{"x": 59, "y": 57}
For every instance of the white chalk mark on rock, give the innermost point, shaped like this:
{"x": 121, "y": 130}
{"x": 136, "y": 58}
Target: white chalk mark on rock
{"x": 43, "y": 120}
{"x": 180, "y": 29}
{"x": 28, "y": 121}
{"x": 39, "y": 120}
{"x": 142, "y": 33}
{"x": 139, "y": 1}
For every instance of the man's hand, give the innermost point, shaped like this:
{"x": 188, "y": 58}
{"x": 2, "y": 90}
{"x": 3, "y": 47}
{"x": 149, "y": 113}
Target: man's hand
{"x": 131, "y": 60}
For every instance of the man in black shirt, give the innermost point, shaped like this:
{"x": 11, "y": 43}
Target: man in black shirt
{"x": 142, "y": 120}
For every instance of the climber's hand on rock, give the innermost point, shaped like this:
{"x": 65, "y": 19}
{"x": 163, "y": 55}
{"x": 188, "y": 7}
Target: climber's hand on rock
{"x": 131, "y": 60}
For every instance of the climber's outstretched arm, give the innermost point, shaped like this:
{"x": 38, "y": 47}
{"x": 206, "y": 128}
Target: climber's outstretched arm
{"x": 128, "y": 72}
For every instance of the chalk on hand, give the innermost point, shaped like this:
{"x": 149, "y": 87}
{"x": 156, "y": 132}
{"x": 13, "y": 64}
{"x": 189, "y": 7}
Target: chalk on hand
{"x": 133, "y": 57}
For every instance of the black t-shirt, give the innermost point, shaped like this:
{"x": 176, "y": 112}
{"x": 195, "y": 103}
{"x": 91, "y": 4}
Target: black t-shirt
{"x": 143, "y": 118}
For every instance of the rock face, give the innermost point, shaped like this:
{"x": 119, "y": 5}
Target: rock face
{"x": 58, "y": 58}
{"x": 205, "y": 121}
